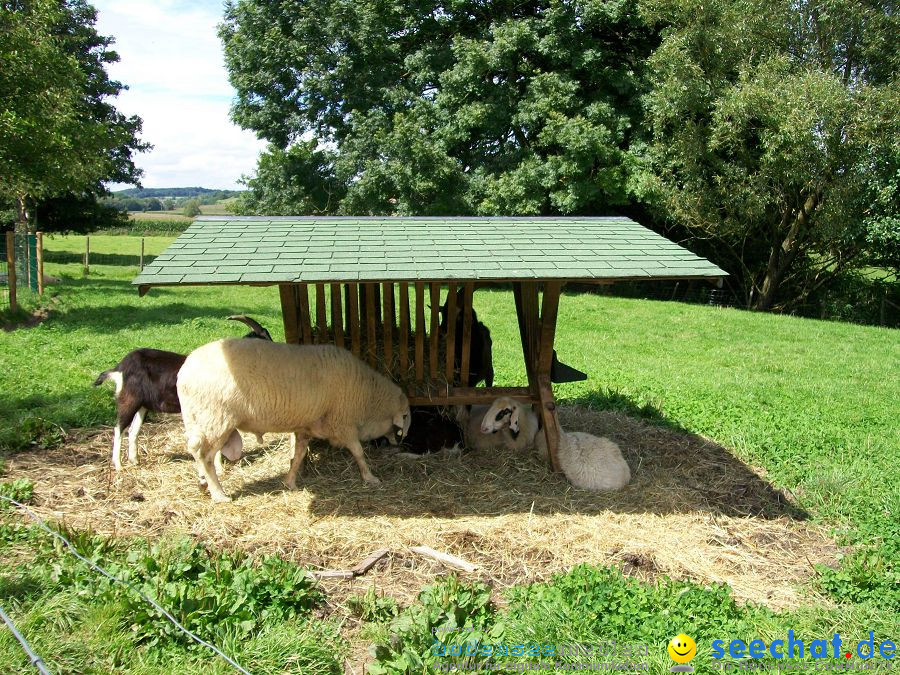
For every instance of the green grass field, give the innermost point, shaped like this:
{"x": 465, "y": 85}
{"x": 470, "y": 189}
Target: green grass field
{"x": 814, "y": 403}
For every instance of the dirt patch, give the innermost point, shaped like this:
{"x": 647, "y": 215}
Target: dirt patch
{"x": 36, "y": 317}
{"x": 693, "y": 511}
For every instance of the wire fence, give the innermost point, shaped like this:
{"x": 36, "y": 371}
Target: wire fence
{"x": 87, "y": 254}
{"x": 97, "y": 568}
{"x": 21, "y": 267}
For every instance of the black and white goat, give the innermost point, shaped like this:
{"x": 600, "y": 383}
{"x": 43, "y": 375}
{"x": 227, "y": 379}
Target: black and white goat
{"x": 145, "y": 381}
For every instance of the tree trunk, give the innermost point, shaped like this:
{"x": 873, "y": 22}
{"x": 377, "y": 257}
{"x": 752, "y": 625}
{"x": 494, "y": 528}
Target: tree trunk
{"x": 21, "y": 214}
{"x": 783, "y": 255}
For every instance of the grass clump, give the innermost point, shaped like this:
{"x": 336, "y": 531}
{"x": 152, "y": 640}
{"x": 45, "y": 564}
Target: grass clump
{"x": 259, "y": 611}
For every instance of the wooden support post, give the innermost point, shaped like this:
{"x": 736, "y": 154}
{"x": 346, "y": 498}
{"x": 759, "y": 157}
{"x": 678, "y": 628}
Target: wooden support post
{"x": 387, "y": 336}
{"x": 371, "y": 335}
{"x": 420, "y": 332}
{"x": 435, "y": 290}
{"x": 353, "y": 317}
{"x": 404, "y": 329}
{"x": 337, "y": 322}
{"x": 142, "y": 254}
{"x": 40, "y": 262}
{"x": 525, "y": 294}
{"x": 288, "y": 294}
{"x": 87, "y": 254}
{"x": 451, "y": 332}
{"x": 321, "y": 317}
{"x": 11, "y": 270}
{"x": 302, "y": 292}
{"x": 29, "y": 266}
{"x": 466, "y": 334}
{"x": 549, "y": 311}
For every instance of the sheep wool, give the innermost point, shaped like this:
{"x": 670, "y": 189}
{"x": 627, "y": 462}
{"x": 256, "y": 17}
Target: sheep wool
{"x": 589, "y": 462}
{"x": 490, "y": 427}
{"x": 312, "y": 391}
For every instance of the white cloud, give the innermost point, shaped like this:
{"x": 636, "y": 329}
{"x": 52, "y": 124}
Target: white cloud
{"x": 171, "y": 60}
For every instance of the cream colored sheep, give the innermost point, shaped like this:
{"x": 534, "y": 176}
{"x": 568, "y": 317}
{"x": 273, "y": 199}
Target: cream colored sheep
{"x": 588, "y": 462}
{"x": 505, "y": 424}
{"x": 311, "y": 391}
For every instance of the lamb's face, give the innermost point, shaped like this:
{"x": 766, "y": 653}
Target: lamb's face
{"x": 503, "y": 412}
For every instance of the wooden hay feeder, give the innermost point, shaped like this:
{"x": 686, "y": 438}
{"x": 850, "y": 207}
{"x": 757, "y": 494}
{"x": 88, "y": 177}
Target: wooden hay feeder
{"x": 376, "y": 281}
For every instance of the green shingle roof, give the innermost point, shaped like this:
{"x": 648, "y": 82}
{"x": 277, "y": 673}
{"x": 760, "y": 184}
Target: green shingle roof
{"x": 223, "y": 250}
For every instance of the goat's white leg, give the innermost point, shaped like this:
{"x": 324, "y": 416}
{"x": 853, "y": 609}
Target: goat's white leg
{"x": 300, "y": 447}
{"x": 355, "y": 447}
{"x": 133, "y": 432}
{"x": 218, "y": 465}
{"x": 117, "y": 448}
{"x": 204, "y": 457}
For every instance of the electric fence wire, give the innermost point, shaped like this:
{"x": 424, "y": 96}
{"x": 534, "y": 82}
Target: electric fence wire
{"x": 115, "y": 579}
{"x": 36, "y": 660}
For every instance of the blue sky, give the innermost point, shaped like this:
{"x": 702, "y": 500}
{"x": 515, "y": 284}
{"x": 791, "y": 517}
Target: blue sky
{"x": 171, "y": 60}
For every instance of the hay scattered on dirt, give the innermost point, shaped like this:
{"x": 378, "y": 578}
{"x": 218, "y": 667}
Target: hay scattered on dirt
{"x": 693, "y": 511}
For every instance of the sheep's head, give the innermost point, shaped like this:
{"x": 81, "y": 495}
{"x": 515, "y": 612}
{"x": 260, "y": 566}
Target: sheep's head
{"x": 393, "y": 423}
{"x": 503, "y": 412}
{"x": 401, "y": 424}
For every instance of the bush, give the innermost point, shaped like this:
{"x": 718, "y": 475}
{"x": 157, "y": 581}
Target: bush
{"x": 191, "y": 208}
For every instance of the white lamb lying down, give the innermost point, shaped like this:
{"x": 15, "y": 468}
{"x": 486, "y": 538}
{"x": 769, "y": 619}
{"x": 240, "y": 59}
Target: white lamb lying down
{"x": 588, "y": 462}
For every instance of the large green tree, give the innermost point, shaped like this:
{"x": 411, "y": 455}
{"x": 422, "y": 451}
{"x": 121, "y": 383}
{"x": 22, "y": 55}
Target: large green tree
{"x": 60, "y": 137}
{"x": 439, "y": 107}
{"x": 775, "y": 133}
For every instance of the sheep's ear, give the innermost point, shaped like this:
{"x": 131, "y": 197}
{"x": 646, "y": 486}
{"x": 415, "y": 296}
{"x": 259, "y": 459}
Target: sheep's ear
{"x": 514, "y": 419}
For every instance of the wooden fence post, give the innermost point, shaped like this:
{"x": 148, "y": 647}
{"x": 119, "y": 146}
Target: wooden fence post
{"x": 142, "y": 254}
{"x": 40, "y": 262}
{"x": 87, "y": 254}
{"x": 11, "y": 269}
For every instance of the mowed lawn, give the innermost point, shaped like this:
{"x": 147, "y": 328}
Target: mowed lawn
{"x": 816, "y": 404}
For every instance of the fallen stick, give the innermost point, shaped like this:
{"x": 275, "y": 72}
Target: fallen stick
{"x": 445, "y": 558}
{"x": 369, "y": 562}
{"x": 332, "y": 574}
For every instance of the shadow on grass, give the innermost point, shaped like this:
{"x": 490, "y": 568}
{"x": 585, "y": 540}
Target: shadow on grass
{"x": 673, "y": 471}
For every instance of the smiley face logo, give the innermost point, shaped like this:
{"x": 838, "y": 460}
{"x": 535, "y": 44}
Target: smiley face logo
{"x": 682, "y": 648}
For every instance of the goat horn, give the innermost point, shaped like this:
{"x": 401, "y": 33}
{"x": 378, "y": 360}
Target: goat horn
{"x": 247, "y": 320}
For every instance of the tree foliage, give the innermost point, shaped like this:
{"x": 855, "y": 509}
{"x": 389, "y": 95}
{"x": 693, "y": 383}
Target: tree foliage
{"x": 775, "y": 136}
{"x": 191, "y": 208}
{"x": 439, "y": 108}
{"x": 300, "y": 179}
{"x": 59, "y": 134}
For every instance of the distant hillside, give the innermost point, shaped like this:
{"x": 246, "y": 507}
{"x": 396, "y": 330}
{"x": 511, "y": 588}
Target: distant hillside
{"x": 175, "y": 193}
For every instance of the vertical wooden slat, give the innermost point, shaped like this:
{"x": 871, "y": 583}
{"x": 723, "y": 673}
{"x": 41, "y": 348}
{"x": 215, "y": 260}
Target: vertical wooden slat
{"x": 404, "y": 329}
{"x": 466, "y": 334}
{"x": 388, "y": 334}
{"x": 321, "y": 317}
{"x": 451, "y": 332}
{"x": 435, "y": 331}
{"x": 302, "y": 291}
{"x": 337, "y": 321}
{"x": 288, "y": 295}
{"x": 352, "y": 291}
{"x": 371, "y": 337}
{"x": 420, "y": 331}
